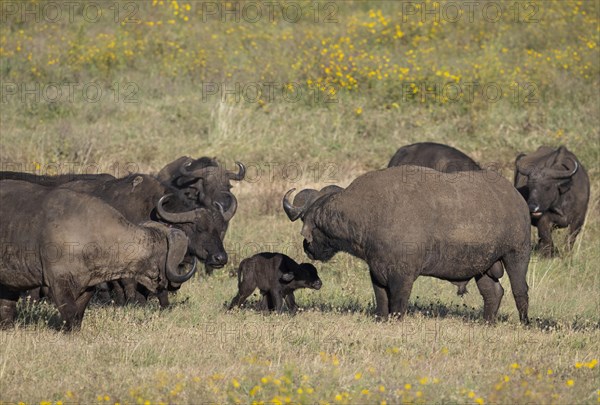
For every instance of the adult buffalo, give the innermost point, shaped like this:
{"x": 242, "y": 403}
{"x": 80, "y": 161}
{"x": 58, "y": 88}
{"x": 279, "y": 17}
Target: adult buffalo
{"x": 136, "y": 196}
{"x": 141, "y": 197}
{"x": 557, "y": 190}
{"x": 437, "y": 156}
{"x": 445, "y": 159}
{"x": 409, "y": 221}
{"x": 70, "y": 242}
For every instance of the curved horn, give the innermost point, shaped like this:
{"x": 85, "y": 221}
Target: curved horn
{"x": 563, "y": 174}
{"x": 239, "y": 176}
{"x": 227, "y": 215}
{"x": 291, "y": 210}
{"x": 198, "y": 173}
{"x": 521, "y": 168}
{"x": 174, "y": 217}
{"x": 174, "y": 277}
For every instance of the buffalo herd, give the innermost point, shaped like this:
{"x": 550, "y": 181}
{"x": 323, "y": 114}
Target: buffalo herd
{"x": 433, "y": 211}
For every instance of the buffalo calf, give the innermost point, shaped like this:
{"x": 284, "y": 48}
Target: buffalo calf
{"x": 277, "y": 276}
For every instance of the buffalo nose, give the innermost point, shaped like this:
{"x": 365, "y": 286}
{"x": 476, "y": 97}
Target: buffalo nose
{"x": 534, "y": 208}
{"x": 219, "y": 258}
{"x": 317, "y": 284}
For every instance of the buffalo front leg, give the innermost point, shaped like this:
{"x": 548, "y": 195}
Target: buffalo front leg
{"x": 574, "y": 230}
{"x": 163, "y": 298}
{"x": 81, "y": 304}
{"x": 546, "y": 225}
{"x": 67, "y": 306}
{"x": 118, "y": 292}
{"x": 277, "y": 299}
{"x": 491, "y": 290}
{"x": 400, "y": 287}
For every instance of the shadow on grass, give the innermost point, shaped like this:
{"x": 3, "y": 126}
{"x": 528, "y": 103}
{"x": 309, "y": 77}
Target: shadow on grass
{"x": 42, "y": 313}
{"x": 463, "y": 312}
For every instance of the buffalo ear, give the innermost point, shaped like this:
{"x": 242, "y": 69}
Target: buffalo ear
{"x": 287, "y": 277}
{"x": 177, "y": 247}
{"x": 564, "y": 186}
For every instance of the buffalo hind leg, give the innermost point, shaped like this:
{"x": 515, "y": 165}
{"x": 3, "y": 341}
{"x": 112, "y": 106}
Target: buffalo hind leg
{"x": 491, "y": 290}
{"x": 241, "y": 297}
{"x": 382, "y": 309}
{"x": 516, "y": 265}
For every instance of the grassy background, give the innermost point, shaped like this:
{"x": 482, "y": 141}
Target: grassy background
{"x": 333, "y": 351}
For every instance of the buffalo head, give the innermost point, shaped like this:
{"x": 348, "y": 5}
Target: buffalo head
{"x": 202, "y": 180}
{"x": 204, "y": 229}
{"x": 547, "y": 181}
{"x": 318, "y": 243}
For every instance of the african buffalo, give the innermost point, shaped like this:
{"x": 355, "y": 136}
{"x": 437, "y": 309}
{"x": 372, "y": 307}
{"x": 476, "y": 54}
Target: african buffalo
{"x": 445, "y": 159}
{"x": 277, "y": 276}
{"x": 136, "y": 197}
{"x": 70, "y": 242}
{"x": 437, "y": 156}
{"x": 141, "y": 197}
{"x": 409, "y": 221}
{"x": 557, "y": 190}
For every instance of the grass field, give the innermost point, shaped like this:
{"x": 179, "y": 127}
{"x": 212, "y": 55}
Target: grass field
{"x": 305, "y": 101}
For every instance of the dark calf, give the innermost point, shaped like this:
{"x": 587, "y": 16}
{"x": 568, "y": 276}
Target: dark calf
{"x": 276, "y": 276}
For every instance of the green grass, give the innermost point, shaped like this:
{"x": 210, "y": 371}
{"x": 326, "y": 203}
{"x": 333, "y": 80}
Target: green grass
{"x": 333, "y": 350}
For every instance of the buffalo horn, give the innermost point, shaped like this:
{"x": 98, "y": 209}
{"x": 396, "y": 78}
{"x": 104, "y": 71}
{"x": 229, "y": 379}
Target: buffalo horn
{"x": 292, "y": 211}
{"x": 563, "y": 174}
{"x": 198, "y": 173}
{"x": 523, "y": 169}
{"x": 180, "y": 278}
{"x": 239, "y": 176}
{"x": 174, "y": 217}
{"x": 227, "y": 215}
